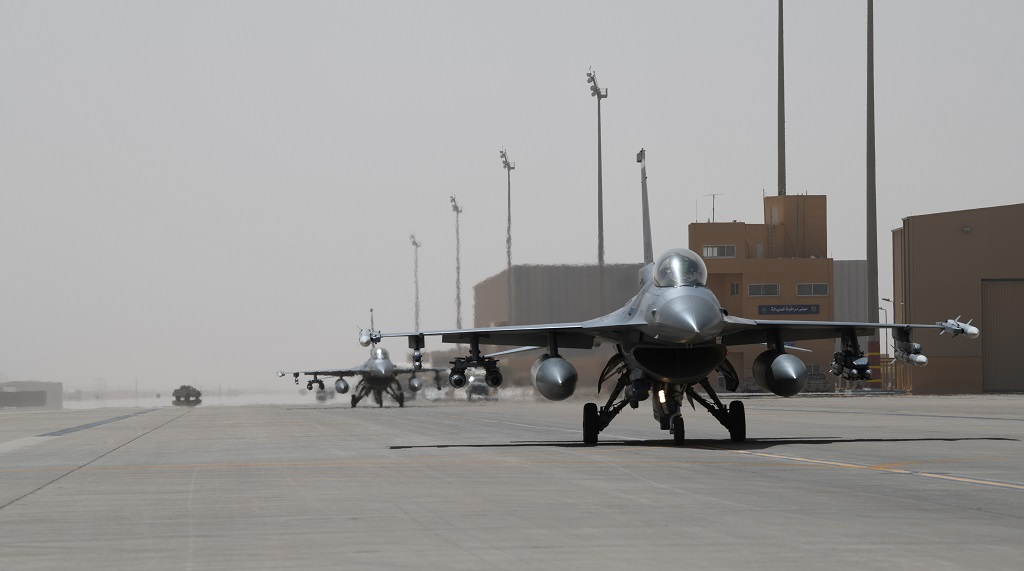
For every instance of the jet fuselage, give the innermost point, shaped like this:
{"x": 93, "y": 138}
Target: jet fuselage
{"x": 379, "y": 370}
{"x": 673, "y": 322}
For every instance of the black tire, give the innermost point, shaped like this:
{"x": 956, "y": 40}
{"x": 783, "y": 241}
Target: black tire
{"x": 355, "y": 399}
{"x": 737, "y": 422}
{"x": 591, "y": 423}
{"x": 401, "y": 400}
{"x": 678, "y": 431}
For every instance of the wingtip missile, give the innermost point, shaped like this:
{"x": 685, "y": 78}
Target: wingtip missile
{"x": 955, "y": 327}
{"x": 368, "y": 336}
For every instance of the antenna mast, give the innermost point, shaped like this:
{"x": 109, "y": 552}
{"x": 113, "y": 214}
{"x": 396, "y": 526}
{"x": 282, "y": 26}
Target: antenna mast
{"x": 713, "y": 195}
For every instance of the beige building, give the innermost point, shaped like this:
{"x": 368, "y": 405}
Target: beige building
{"x": 779, "y": 270}
{"x": 967, "y": 262}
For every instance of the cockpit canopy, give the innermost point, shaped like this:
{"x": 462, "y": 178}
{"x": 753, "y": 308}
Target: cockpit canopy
{"x": 680, "y": 267}
{"x": 379, "y": 353}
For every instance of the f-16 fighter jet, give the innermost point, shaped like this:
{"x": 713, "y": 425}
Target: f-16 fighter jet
{"x": 669, "y": 338}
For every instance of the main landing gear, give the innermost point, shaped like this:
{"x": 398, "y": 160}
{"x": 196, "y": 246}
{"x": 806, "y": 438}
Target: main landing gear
{"x": 632, "y": 386}
{"x": 363, "y": 390}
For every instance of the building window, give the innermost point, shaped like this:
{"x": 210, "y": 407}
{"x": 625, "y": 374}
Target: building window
{"x": 757, "y": 290}
{"x": 734, "y": 288}
{"x": 728, "y": 251}
{"x": 813, "y": 369}
{"x": 812, "y": 289}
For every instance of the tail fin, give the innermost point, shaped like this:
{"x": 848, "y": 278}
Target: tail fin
{"x": 648, "y": 247}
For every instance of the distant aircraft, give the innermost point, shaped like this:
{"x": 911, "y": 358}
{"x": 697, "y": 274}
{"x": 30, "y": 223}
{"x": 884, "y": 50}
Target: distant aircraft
{"x": 669, "y": 338}
{"x": 377, "y": 375}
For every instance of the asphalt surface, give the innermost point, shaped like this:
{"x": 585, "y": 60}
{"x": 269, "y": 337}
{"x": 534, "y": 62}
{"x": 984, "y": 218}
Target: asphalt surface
{"x": 839, "y": 483}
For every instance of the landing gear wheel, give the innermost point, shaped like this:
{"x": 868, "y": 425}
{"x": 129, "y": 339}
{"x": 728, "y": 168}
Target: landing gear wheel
{"x": 678, "y": 431}
{"x": 737, "y": 422}
{"x": 401, "y": 400}
{"x": 591, "y": 423}
{"x": 355, "y": 399}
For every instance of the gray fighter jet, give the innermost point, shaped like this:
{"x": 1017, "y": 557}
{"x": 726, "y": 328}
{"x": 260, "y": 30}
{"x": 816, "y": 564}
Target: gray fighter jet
{"x": 377, "y": 376}
{"x": 669, "y": 338}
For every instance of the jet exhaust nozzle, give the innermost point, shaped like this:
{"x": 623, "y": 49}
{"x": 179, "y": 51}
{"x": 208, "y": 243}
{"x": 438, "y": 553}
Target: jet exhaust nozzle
{"x": 554, "y": 377}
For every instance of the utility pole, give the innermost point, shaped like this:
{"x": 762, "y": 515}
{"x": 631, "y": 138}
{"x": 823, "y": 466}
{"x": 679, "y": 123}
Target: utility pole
{"x": 416, "y": 277}
{"x": 596, "y": 91}
{"x": 509, "y": 167}
{"x": 458, "y": 266}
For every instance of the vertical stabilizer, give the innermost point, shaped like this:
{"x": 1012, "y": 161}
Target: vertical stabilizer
{"x": 648, "y": 247}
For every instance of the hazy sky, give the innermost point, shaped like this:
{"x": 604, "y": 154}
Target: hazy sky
{"x": 205, "y": 192}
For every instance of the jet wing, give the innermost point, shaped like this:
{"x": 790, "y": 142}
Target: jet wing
{"x": 569, "y": 335}
{"x": 325, "y": 373}
{"x": 740, "y": 331}
{"x": 412, "y": 370}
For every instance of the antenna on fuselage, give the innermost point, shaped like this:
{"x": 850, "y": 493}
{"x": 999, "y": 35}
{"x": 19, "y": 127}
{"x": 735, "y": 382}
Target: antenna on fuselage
{"x": 648, "y": 247}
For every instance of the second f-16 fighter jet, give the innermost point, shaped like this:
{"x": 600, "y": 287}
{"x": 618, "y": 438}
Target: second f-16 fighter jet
{"x": 669, "y": 338}
{"x": 377, "y": 376}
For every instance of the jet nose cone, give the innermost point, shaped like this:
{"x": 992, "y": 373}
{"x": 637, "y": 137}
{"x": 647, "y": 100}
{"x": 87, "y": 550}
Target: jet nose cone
{"x": 381, "y": 369}
{"x": 688, "y": 319}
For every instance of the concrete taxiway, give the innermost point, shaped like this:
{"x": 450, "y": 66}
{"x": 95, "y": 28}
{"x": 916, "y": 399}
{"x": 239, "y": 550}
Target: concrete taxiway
{"x": 841, "y": 483}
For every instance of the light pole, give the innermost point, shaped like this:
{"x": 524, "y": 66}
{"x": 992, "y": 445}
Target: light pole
{"x": 416, "y": 276}
{"x": 509, "y": 167}
{"x": 886, "y": 313}
{"x": 885, "y": 336}
{"x": 871, "y": 226}
{"x": 596, "y": 91}
{"x": 458, "y": 266}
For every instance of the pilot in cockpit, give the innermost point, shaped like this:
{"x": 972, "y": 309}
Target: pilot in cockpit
{"x": 678, "y": 268}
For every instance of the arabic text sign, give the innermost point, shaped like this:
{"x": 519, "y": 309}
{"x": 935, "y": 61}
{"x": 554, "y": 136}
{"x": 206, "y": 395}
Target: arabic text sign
{"x": 789, "y": 309}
